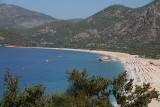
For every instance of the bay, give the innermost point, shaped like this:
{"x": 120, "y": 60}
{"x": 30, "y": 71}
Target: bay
{"x": 49, "y": 66}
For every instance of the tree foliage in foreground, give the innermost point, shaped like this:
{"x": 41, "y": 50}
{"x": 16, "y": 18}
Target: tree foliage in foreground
{"x": 83, "y": 91}
{"x": 126, "y": 96}
{"x": 89, "y": 91}
{"x": 13, "y": 97}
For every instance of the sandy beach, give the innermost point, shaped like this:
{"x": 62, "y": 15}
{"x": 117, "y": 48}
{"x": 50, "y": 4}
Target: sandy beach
{"x": 142, "y": 70}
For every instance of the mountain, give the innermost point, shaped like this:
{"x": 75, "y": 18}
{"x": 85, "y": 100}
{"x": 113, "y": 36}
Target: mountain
{"x": 116, "y": 28}
{"x": 75, "y": 20}
{"x": 122, "y": 27}
{"x": 14, "y": 16}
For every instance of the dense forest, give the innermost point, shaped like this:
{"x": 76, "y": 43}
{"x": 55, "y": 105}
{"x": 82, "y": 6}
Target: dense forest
{"x": 85, "y": 91}
{"x": 13, "y": 38}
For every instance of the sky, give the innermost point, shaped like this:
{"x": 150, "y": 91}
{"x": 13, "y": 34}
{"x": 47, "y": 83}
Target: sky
{"x": 69, "y": 9}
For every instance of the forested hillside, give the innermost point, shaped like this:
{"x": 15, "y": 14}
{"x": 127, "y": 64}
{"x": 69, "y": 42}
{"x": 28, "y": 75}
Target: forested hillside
{"x": 8, "y": 37}
{"x": 116, "y": 28}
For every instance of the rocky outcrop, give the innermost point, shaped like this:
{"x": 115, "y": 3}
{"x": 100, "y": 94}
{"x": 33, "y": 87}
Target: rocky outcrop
{"x": 45, "y": 31}
{"x": 2, "y": 38}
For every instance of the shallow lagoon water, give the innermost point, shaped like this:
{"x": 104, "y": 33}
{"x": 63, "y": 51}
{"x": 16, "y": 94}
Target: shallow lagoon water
{"x": 48, "y": 66}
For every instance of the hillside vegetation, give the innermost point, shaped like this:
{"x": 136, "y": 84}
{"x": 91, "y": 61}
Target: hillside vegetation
{"x": 116, "y": 28}
{"x": 8, "y": 37}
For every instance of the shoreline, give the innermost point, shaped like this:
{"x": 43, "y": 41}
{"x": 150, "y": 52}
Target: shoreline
{"x": 139, "y": 69}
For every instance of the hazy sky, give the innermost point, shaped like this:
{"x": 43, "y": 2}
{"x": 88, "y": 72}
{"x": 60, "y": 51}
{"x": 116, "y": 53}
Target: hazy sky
{"x": 68, "y": 9}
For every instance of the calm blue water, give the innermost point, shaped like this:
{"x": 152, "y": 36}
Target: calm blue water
{"x": 49, "y": 67}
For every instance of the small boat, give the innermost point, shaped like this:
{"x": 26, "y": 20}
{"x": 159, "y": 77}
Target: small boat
{"x": 104, "y": 58}
{"x": 46, "y": 60}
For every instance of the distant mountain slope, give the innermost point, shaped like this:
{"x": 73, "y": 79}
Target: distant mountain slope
{"x": 14, "y": 16}
{"x": 114, "y": 28}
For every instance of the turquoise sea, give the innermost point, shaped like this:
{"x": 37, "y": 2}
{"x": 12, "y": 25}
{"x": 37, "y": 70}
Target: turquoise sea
{"x": 48, "y": 66}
